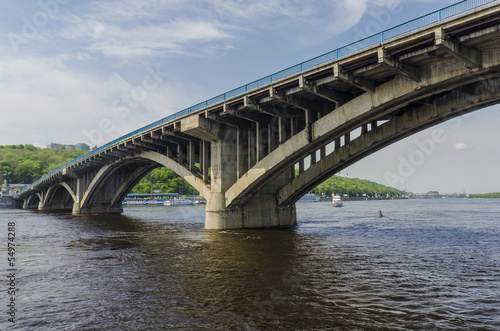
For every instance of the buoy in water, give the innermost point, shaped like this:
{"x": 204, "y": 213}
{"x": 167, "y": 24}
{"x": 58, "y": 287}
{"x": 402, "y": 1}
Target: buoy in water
{"x": 380, "y": 214}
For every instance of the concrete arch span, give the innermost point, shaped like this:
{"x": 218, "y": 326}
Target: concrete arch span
{"x": 110, "y": 185}
{"x": 408, "y": 122}
{"x": 388, "y": 101}
{"x": 33, "y": 201}
{"x": 58, "y": 197}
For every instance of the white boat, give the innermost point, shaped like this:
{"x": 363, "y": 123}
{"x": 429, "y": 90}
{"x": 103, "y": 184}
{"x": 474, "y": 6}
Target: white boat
{"x": 309, "y": 197}
{"x": 337, "y": 201}
{"x": 177, "y": 202}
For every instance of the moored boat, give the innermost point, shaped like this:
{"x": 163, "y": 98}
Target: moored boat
{"x": 177, "y": 202}
{"x": 309, "y": 197}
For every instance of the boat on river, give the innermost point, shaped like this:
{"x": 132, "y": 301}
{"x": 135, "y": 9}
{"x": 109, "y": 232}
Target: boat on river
{"x": 309, "y": 197}
{"x": 178, "y": 202}
{"x": 337, "y": 201}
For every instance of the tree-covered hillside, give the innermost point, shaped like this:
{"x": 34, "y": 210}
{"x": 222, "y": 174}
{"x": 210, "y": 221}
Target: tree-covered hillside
{"x": 495, "y": 195}
{"x": 27, "y": 163}
{"x": 354, "y": 187}
{"x": 165, "y": 181}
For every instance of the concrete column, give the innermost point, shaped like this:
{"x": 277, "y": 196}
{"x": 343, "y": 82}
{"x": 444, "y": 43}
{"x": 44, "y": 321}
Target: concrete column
{"x": 364, "y": 128}
{"x": 323, "y": 152}
{"x": 301, "y": 166}
{"x": 41, "y": 203}
{"x": 205, "y": 163}
{"x": 271, "y": 139}
{"x": 261, "y": 210}
{"x": 80, "y": 191}
{"x": 180, "y": 153}
{"x": 293, "y": 131}
{"x": 224, "y": 175}
{"x": 191, "y": 155}
{"x": 261, "y": 141}
{"x": 313, "y": 157}
{"x": 282, "y": 130}
{"x": 252, "y": 146}
{"x": 242, "y": 154}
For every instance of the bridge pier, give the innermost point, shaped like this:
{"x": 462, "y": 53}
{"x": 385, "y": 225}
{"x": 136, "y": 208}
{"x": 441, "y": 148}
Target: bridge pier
{"x": 260, "y": 211}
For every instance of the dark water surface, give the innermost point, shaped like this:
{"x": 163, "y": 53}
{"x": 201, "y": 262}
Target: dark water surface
{"x": 426, "y": 265}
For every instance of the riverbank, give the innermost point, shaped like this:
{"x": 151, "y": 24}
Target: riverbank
{"x": 9, "y": 202}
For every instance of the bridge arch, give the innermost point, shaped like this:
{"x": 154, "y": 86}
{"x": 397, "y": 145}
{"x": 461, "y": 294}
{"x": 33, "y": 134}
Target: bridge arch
{"x": 388, "y": 102}
{"x": 33, "y": 201}
{"x": 59, "y": 197}
{"x": 113, "y": 182}
{"x": 414, "y": 119}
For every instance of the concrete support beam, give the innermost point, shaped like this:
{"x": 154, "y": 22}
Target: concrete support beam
{"x": 206, "y": 129}
{"x": 404, "y": 69}
{"x": 297, "y": 102}
{"x": 471, "y": 57}
{"x": 359, "y": 82}
{"x": 336, "y": 97}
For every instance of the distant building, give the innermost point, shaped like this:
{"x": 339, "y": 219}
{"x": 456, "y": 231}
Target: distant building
{"x": 433, "y": 194}
{"x": 82, "y": 146}
{"x": 11, "y": 189}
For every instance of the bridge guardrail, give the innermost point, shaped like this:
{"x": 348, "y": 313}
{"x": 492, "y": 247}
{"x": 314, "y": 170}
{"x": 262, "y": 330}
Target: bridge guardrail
{"x": 413, "y": 25}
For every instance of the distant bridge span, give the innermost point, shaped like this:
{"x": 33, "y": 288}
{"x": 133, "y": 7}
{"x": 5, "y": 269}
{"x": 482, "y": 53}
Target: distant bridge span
{"x": 240, "y": 149}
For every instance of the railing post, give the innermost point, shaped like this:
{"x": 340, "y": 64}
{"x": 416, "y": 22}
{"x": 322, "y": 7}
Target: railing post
{"x": 439, "y": 15}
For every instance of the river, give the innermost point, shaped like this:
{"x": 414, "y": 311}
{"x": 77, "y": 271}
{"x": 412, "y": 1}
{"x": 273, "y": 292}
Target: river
{"x": 426, "y": 265}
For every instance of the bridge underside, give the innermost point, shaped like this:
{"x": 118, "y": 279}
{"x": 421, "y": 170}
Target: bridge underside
{"x": 241, "y": 155}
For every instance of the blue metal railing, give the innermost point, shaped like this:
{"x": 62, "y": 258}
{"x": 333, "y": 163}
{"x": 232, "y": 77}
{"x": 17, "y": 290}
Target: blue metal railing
{"x": 376, "y": 39}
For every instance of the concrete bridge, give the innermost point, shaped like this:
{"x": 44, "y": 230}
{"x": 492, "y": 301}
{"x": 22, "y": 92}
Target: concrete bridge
{"x": 240, "y": 149}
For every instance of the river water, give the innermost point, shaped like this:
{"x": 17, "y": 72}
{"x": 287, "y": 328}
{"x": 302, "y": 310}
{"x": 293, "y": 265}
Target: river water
{"x": 426, "y": 265}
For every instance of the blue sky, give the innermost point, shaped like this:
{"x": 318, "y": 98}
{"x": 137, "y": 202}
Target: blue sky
{"x": 75, "y": 71}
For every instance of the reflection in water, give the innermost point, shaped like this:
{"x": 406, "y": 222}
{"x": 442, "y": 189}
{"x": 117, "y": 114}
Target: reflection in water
{"x": 425, "y": 265}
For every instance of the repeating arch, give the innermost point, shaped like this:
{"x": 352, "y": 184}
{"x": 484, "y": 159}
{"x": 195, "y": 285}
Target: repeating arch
{"x": 131, "y": 170}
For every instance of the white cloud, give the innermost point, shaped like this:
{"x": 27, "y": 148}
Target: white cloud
{"x": 462, "y": 147}
{"x": 176, "y": 36}
{"x": 49, "y": 100}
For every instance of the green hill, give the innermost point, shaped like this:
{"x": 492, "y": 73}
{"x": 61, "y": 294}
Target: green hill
{"x": 495, "y": 195}
{"x": 354, "y": 187}
{"x": 27, "y": 163}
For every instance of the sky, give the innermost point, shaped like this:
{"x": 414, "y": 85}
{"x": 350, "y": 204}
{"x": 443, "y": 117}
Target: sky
{"x": 92, "y": 71}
